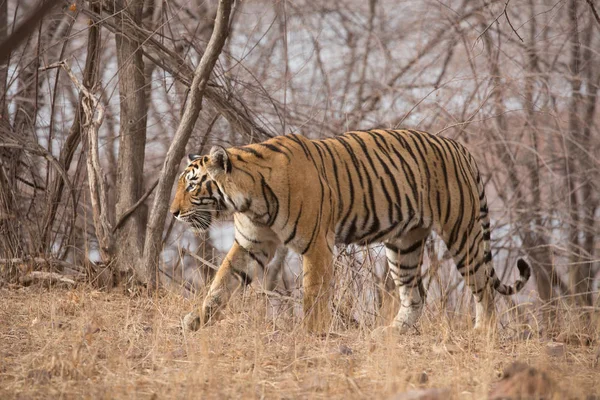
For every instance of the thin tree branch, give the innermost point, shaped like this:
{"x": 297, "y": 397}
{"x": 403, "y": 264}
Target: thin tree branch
{"x": 505, "y": 13}
{"x": 509, "y": 23}
{"x": 158, "y": 214}
{"x": 593, "y": 8}
{"x": 131, "y": 209}
{"x": 27, "y": 26}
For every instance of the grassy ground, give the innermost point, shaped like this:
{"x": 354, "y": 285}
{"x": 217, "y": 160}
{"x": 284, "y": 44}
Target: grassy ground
{"x": 84, "y": 343}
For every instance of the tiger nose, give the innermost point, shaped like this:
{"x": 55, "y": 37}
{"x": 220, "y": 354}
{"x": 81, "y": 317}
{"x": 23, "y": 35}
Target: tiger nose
{"x": 176, "y": 213}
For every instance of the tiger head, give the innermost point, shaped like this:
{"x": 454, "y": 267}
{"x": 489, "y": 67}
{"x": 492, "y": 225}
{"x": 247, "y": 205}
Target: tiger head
{"x": 198, "y": 199}
{"x": 206, "y": 190}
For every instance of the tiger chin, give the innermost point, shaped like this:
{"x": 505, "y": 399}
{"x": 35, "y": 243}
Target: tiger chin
{"x": 379, "y": 186}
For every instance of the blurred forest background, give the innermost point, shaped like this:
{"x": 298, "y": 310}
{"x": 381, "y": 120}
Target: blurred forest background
{"x": 92, "y": 94}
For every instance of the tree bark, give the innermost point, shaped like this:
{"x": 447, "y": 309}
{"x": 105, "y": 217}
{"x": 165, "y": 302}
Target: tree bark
{"x": 7, "y": 239}
{"x": 132, "y": 137}
{"x": 73, "y": 139}
{"x": 3, "y": 63}
{"x": 582, "y": 204}
{"x": 152, "y": 245}
{"x": 579, "y": 272}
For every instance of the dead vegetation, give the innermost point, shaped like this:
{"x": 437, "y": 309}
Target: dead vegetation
{"x": 86, "y": 343}
{"x": 516, "y": 82}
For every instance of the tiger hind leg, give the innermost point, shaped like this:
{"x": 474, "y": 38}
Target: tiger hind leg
{"x": 473, "y": 261}
{"x": 405, "y": 256}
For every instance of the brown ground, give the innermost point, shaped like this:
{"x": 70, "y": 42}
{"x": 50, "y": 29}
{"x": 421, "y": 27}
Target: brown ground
{"x": 84, "y": 343}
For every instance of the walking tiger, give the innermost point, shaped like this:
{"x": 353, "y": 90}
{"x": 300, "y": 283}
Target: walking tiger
{"x": 378, "y": 186}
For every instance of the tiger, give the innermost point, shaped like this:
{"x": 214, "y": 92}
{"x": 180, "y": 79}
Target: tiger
{"x": 362, "y": 187}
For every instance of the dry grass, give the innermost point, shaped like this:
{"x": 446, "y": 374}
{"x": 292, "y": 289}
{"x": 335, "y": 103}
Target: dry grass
{"x": 84, "y": 343}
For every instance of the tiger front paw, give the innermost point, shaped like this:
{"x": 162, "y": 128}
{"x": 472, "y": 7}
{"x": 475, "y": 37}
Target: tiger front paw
{"x": 407, "y": 317}
{"x": 211, "y": 309}
{"x": 400, "y": 327}
{"x": 191, "y": 322}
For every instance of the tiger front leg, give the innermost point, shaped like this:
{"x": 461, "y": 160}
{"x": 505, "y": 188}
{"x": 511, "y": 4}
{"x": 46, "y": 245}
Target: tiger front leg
{"x": 219, "y": 293}
{"x": 237, "y": 268}
{"x": 318, "y": 270}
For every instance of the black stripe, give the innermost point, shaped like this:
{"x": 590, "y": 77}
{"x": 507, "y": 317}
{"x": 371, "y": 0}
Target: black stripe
{"x": 339, "y": 194}
{"x": 370, "y": 177}
{"x": 251, "y": 151}
{"x": 373, "y": 210}
{"x": 246, "y": 237}
{"x": 250, "y": 175}
{"x": 391, "y": 247}
{"x": 394, "y": 187}
{"x": 299, "y": 141}
{"x": 253, "y": 256}
{"x": 408, "y": 281}
{"x": 293, "y": 234}
{"x": 244, "y": 277}
{"x": 412, "y": 248}
{"x": 318, "y": 224}
{"x": 325, "y": 177}
{"x": 275, "y": 149}
{"x": 271, "y": 200}
{"x": 351, "y": 234}
{"x": 473, "y": 271}
{"x": 423, "y": 167}
{"x": 204, "y": 178}
{"x": 378, "y": 137}
{"x": 407, "y": 170}
{"x": 380, "y": 234}
{"x": 312, "y": 238}
{"x": 351, "y": 202}
{"x": 281, "y": 144}
{"x": 465, "y": 170}
{"x": 405, "y": 267}
{"x": 457, "y": 224}
{"x": 471, "y": 252}
{"x": 488, "y": 258}
{"x": 289, "y": 203}
{"x": 353, "y": 158}
{"x": 436, "y": 145}
{"x": 447, "y": 155}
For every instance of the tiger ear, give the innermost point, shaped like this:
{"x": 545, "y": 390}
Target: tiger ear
{"x": 219, "y": 161}
{"x": 193, "y": 157}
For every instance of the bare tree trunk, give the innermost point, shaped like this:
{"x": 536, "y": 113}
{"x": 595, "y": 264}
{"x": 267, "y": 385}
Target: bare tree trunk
{"x": 3, "y": 63}
{"x": 152, "y": 245}
{"x": 7, "y": 217}
{"x": 132, "y": 137}
{"x": 73, "y": 138}
{"x": 579, "y": 272}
